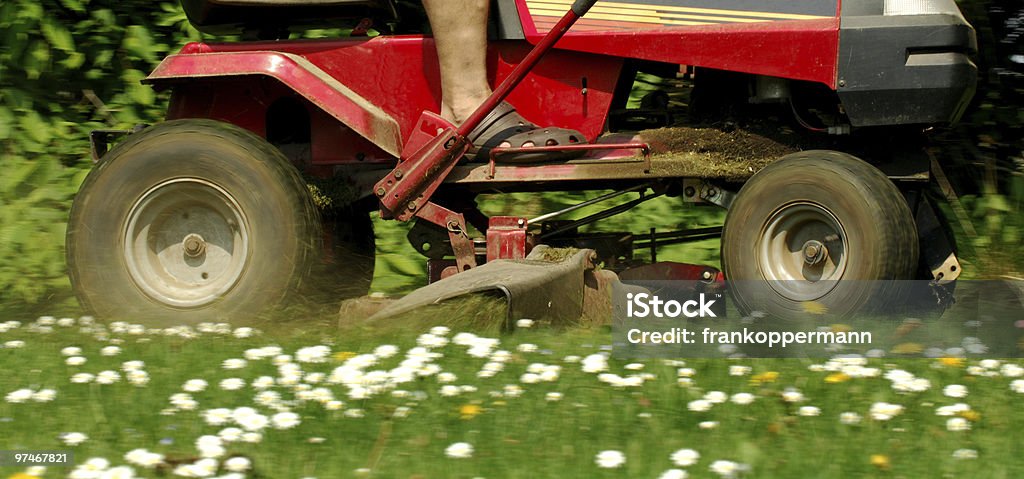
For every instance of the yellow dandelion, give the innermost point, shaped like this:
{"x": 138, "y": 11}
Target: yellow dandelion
{"x": 499, "y": 403}
{"x": 880, "y": 461}
{"x": 952, "y": 362}
{"x": 841, "y": 328}
{"x": 22, "y": 475}
{"x": 907, "y": 348}
{"x": 765, "y": 377}
{"x": 343, "y": 355}
{"x": 814, "y": 307}
{"x": 970, "y": 415}
{"x": 837, "y": 378}
{"x": 469, "y": 411}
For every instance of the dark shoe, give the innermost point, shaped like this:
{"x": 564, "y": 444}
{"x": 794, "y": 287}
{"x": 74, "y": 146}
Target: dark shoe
{"x": 505, "y": 124}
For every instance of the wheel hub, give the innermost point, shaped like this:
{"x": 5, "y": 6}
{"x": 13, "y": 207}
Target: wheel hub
{"x": 186, "y": 242}
{"x": 193, "y": 245}
{"x": 802, "y": 251}
{"x": 814, "y": 252}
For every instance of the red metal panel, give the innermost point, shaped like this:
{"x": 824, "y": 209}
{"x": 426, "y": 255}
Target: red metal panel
{"x": 399, "y": 74}
{"x": 230, "y": 102}
{"x": 244, "y": 101}
{"x": 335, "y": 98}
{"x": 671, "y": 270}
{"x": 795, "y": 49}
{"x": 336, "y": 144}
{"x": 506, "y": 238}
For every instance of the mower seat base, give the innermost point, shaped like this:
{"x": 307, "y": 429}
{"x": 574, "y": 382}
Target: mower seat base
{"x": 224, "y": 17}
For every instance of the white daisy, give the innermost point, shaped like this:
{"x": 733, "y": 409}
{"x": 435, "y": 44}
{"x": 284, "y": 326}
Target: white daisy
{"x": 674, "y": 474}
{"x": 285, "y": 420}
{"x": 108, "y": 377}
{"x": 110, "y": 351}
{"x": 459, "y": 450}
{"x": 232, "y": 384}
{"x": 73, "y": 438}
{"x": 958, "y": 424}
{"x": 238, "y": 464}
{"x": 610, "y": 459}
{"x": 849, "y": 418}
{"x": 742, "y": 398}
{"x": 19, "y": 396}
{"x": 44, "y": 395}
{"x": 233, "y": 363}
{"x": 685, "y": 457}
{"x": 955, "y": 391}
{"x": 965, "y": 454}
{"x": 809, "y": 411}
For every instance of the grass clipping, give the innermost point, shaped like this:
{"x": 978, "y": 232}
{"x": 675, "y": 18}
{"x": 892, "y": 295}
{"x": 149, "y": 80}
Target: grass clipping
{"x": 481, "y": 313}
{"x": 712, "y": 153}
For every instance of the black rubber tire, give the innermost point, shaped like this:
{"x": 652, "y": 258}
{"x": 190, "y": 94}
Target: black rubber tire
{"x": 282, "y": 224}
{"x": 880, "y": 234}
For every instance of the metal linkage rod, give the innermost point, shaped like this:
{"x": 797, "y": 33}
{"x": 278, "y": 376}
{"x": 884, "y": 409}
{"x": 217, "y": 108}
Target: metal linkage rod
{"x": 600, "y": 215}
{"x": 587, "y": 203}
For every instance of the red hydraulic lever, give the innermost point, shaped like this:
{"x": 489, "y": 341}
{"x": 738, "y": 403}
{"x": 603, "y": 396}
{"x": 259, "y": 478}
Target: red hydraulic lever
{"x": 405, "y": 192}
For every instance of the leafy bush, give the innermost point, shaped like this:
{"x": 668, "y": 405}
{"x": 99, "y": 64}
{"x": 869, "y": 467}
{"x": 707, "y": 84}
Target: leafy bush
{"x": 66, "y": 67}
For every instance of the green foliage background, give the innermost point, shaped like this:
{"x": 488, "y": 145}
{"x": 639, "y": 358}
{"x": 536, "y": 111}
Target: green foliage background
{"x": 66, "y": 67}
{"x": 71, "y": 66}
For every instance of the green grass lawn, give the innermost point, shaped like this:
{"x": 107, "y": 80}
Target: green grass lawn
{"x": 551, "y": 404}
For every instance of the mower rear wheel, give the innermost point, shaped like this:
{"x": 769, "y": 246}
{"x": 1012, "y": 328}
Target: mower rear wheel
{"x": 822, "y": 227}
{"x": 188, "y": 221}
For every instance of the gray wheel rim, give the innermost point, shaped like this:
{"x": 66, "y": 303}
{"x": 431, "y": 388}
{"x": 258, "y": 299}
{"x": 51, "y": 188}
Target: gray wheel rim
{"x": 783, "y": 258}
{"x": 186, "y": 242}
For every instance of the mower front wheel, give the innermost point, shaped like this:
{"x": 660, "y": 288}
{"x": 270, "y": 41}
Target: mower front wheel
{"x": 188, "y": 221}
{"x": 819, "y": 227}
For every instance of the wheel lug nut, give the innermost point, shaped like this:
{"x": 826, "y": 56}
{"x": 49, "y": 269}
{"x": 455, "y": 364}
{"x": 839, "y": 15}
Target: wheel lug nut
{"x": 814, "y": 252}
{"x": 193, "y": 245}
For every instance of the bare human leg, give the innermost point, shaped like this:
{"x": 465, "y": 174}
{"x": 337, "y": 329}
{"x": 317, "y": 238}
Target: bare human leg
{"x": 460, "y": 36}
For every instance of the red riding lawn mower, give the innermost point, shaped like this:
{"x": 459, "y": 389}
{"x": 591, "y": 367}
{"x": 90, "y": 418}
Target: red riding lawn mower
{"x": 276, "y": 151}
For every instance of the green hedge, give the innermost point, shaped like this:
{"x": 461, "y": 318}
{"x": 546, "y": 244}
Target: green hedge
{"x": 66, "y": 67}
